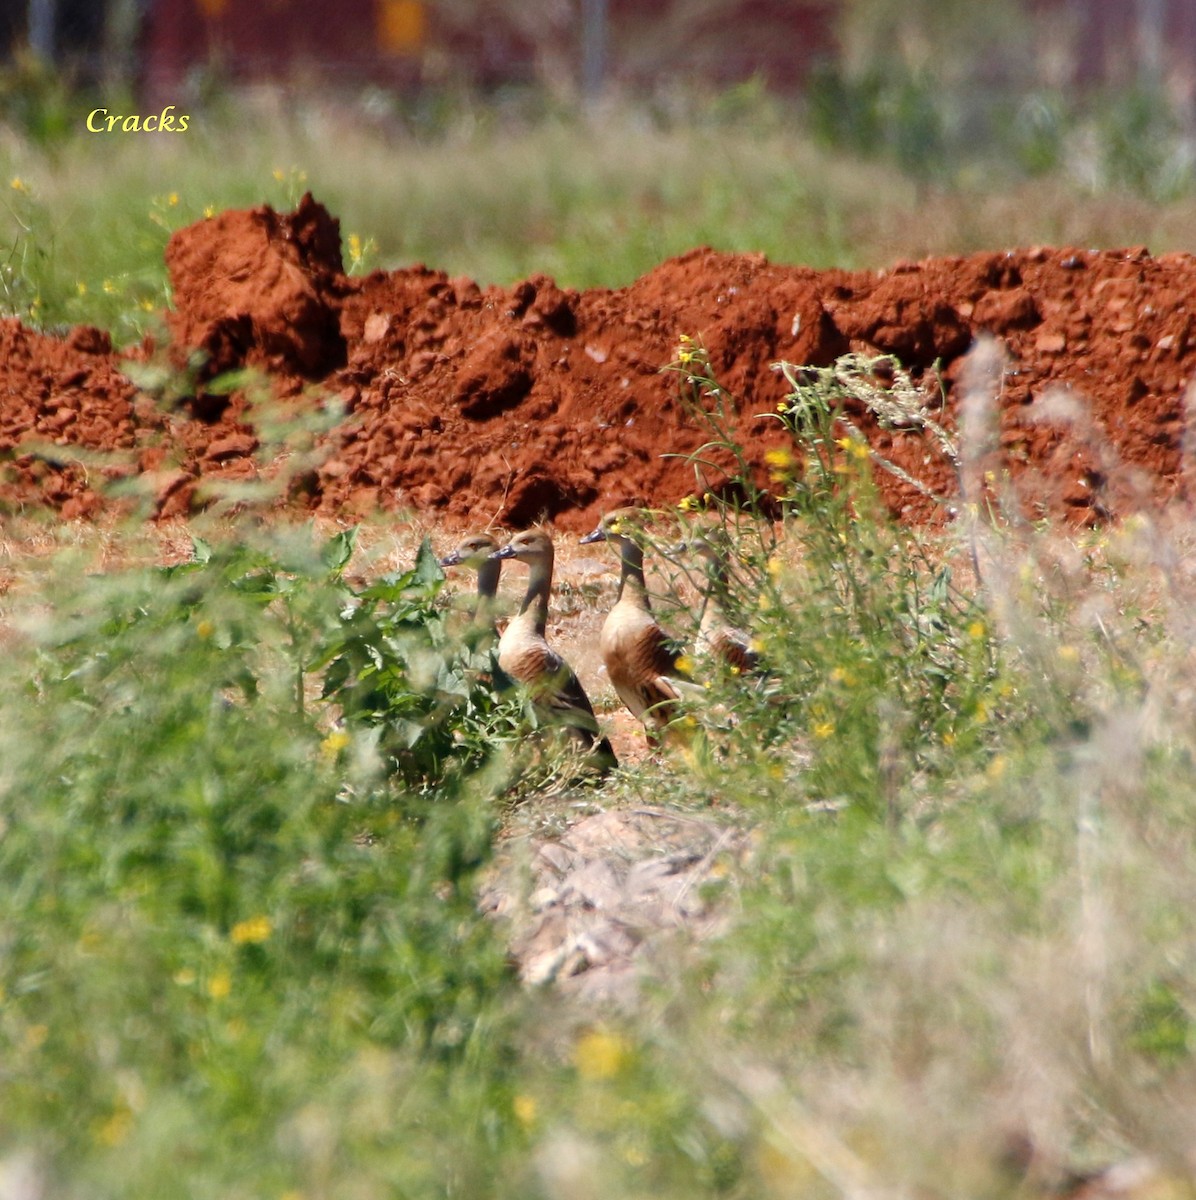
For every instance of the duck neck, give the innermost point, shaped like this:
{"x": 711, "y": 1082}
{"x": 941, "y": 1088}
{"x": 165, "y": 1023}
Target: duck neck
{"x": 488, "y": 572}
{"x": 632, "y": 586}
{"x": 534, "y": 609}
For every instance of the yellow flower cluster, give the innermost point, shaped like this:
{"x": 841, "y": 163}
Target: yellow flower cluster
{"x": 600, "y": 1055}
{"x": 253, "y": 931}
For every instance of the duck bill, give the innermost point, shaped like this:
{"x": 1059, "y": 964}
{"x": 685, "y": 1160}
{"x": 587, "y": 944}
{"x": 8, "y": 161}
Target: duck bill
{"x": 499, "y": 555}
{"x": 598, "y": 535}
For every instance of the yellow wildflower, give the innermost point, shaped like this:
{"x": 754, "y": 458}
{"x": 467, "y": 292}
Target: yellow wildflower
{"x": 854, "y": 446}
{"x": 209, "y": 211}
{"x": 780, "y": 457}
{"x": 977, "y": 630}
{"x": 333, "y": 744}
{"x": 115, "y": 1129}
{"x": 525, "y": 1110}
{"x": 173, "y": 199}
{"x": 824, "y": 730}
{"x": 685, "y": 664}
{"x": 220, "y": 985}
{"x": 600, "y": 1055}
{"x": 1068, "y": 654}
{"x": 18, "y": 184}
{"x": 81, "y": 288}
{"x": 252, "y": 931}
{"x": 204, "y": 629}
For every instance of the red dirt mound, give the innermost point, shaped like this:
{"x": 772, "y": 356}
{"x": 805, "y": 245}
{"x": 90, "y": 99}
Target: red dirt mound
{"x": 511, "y": 404}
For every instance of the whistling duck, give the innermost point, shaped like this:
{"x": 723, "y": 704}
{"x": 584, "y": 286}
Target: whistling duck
{"x": 642, "y": 663}
{"x": 475, "y": 552}
{"x": 523, "y": 652}
{"x": 717, "y": 636}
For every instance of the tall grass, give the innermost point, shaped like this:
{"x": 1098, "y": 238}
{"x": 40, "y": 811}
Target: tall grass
{"x": 595, "y": 202}
{"x": 241, "y": 952}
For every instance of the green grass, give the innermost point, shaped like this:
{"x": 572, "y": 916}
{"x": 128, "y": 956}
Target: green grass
{"x": 593, "y": 202}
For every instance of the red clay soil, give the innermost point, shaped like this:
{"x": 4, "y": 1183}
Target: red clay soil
{"x": 476, "y": 404}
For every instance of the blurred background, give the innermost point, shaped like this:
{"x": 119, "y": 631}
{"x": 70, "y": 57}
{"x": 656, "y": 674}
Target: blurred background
{"x": 591, "y": 138}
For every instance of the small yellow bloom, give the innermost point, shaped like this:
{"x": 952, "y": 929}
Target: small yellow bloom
{"x": 18, "y": 184}
{"x": 842, "y": 675}
{"x": 173, "y": 199}
{"x": 204, "y": 629}
{"x": 209, "y": 211}
{"x": 109, "y": 287}
{"x": 600, "y": 1055}
{"x": 685, "y": 664}
{"x": 824, "y": 730}
{"x": 146, "y": 305}
{"x": 354, "y": 246}
{"x": 775, "y": 566}
{"x": 251, "y": 932}
{"x": 333, "y": 744}
{"x": 949, "y": 738}
{"x": 525, "y": 1110}
{"x": 780, "y": 457}
{"x": 685, "y": 339}
{"x": 279, "y": 174}
{"x": 1068, "y": 654}
{"x": 81, "y": 288}
{"x": 220, "y": 985}
{"x": 685, "y": 357}
{"x": 856, "y": 447}
{"x": 115, "y": 1129}
{"x": 977, "y": 630}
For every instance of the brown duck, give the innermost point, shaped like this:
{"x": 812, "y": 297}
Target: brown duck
{"x": 717, "y": 636}
{"x": 476, "y": 552}
{"x": 640, "y": 659}
{"x": 525, "y": 655}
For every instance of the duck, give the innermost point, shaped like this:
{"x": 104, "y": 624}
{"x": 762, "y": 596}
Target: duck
{"x": 718, "y": 637}
{"x": 475, "y": 551}
{"x": 524, "y": 653}
{"x": 645, "y": 666}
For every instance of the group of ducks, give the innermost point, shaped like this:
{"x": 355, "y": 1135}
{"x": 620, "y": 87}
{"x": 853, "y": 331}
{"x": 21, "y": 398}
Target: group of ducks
{"x": 645, "y": 667}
